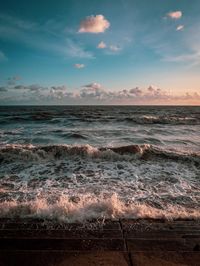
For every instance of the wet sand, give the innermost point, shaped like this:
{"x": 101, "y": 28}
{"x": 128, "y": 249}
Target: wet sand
{"x": 123, "y": 242}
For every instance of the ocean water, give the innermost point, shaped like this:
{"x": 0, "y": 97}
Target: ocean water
{"x": 76, "y": 163}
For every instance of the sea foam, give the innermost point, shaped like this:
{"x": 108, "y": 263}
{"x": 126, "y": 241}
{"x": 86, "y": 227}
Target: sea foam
{"x": 83, "y": 182}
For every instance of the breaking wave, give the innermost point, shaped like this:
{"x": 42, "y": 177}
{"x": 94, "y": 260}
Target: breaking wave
{"x": 109, "y": 178}
{"x": 146, "y": 151}
{"x": 50, "y": 117}
{"x": 82, "y": 182}
{"x": 173, "y": 120}
{"x": 89, "y": 207}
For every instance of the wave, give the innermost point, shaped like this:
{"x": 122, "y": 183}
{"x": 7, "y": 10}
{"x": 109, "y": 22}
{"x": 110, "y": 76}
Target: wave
{"x": 89, "y": 207}
{"x": 13, "y": 152}
{"x": 174, "y": 120}
{"x": 82, "y": 182}
{"x": 50, "y": 117}
{"x": 74, "y": 136}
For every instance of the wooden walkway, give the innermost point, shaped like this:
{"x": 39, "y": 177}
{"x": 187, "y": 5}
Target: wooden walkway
{"x": 112, "y": 243}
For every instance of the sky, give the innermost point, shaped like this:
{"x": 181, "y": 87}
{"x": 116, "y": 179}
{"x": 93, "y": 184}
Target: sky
{"x": 100, "y": 52}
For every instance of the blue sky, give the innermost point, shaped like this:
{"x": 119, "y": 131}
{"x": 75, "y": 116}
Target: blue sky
{"x": 99, "y": 49}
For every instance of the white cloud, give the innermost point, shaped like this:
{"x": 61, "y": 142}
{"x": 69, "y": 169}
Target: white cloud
{"x": 3, "y": 89}
{"x": 29, "y": 88}
{"x": 94, "y": 24}
{"x": 175, "y": 15}
{"x": 101, "y": 45}
{"x": 93, "y": 94}
{"x": 109, "y": 49}
{"x": 137, "y": 91}
{"x": 152, "y": 94}
{"x": 94, "y": 91}
{"x": 79, "y": 66}
{"x": 114, "y": 48}
{"x": 93, "y": 85}
{"x": 180, "y": 27}
{"x": 59, "y": 88}
{"x": 13, "y": 80}
{"x": 21, "y": 87}
{"x": 58, "y": 93}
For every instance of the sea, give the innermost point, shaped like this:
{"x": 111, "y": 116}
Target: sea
{"x": 80, "y": 163}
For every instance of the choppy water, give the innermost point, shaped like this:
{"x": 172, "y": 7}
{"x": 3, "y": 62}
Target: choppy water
{"x": 79, "y": 163}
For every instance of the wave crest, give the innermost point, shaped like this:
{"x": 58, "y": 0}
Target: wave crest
{"x": 173, "y": 120}
{"x": 89, "y": 207}
{"x": 145, "y": 151}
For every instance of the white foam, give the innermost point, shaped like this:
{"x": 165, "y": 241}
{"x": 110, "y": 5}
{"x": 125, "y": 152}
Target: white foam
{"x": 90, "y": 207}
{"x": 82, "y": 182}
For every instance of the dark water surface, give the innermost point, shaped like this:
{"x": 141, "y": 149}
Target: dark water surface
{"x": 84, "y": 162}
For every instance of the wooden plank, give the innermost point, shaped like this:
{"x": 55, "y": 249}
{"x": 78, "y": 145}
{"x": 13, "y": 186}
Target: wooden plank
{"x": 193, "y": 243}
{"x": 161, "y": 234}
{"x": 165, "y": 258}
{"x": 157, "y": 244}
{"x": 63, "y": 234}
{"x": 59, "y": 258}
{"x": 62, "y": 244}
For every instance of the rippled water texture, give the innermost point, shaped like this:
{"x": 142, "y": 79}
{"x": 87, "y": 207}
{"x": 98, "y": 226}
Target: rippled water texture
{"x": 78, "y": 163}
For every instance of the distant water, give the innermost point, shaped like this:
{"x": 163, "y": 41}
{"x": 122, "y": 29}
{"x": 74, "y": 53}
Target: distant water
{"x": 76, "y": 163}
